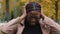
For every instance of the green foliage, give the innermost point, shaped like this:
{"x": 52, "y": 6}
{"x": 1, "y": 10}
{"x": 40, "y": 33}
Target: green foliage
{"x": 15, "y": 13}
{"x": 48, "y": 7}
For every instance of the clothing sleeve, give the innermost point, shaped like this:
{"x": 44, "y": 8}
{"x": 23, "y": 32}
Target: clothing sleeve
{"x": 55, "y": 27}
{"x": 11, "y": 26}
{"x": 54, "y": 31}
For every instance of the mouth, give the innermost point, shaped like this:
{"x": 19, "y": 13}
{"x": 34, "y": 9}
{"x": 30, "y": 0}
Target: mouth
{"x": 32, "y": 21}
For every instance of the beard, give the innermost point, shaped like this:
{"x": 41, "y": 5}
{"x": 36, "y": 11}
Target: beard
{"x": 28, "y": 20}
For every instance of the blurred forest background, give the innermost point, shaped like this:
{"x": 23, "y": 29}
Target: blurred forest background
{"x": 10, "y": 9}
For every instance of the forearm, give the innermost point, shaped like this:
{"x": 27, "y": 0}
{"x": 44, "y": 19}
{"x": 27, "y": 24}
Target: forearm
{"x": 10, "y": 26}
{"x": 53, "y": 25}
{"x": 54, "y": 31}
{"x": 22, "y": 17}
{"x": 50, "y": 22}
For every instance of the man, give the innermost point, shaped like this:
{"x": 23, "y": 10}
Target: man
{"x": 33, "y": 21}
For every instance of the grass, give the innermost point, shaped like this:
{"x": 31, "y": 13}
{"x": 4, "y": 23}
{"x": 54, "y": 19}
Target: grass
{"x": 0, "y": 31}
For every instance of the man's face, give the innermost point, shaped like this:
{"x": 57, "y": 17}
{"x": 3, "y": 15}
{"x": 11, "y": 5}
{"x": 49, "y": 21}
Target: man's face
{"x": 33, "y": 17}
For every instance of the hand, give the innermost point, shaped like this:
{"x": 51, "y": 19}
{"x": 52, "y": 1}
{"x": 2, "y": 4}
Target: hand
{"x": 41, "y": 21}
{"x": 24, "y": 12}
{"x": 24, "y": 7}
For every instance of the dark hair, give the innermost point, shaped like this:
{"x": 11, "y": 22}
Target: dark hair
{"x": 33, "y": 6}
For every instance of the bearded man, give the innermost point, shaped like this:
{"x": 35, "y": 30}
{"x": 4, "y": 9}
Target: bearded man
{"x": 32, "y": 21}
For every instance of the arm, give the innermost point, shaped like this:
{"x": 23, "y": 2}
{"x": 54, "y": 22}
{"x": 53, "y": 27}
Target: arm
{"x": 11, "y": 26}
{"x": 55, "y": 27}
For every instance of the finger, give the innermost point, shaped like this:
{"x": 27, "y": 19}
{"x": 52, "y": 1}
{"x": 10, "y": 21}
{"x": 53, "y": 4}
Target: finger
{"x": 24, "y": 7}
